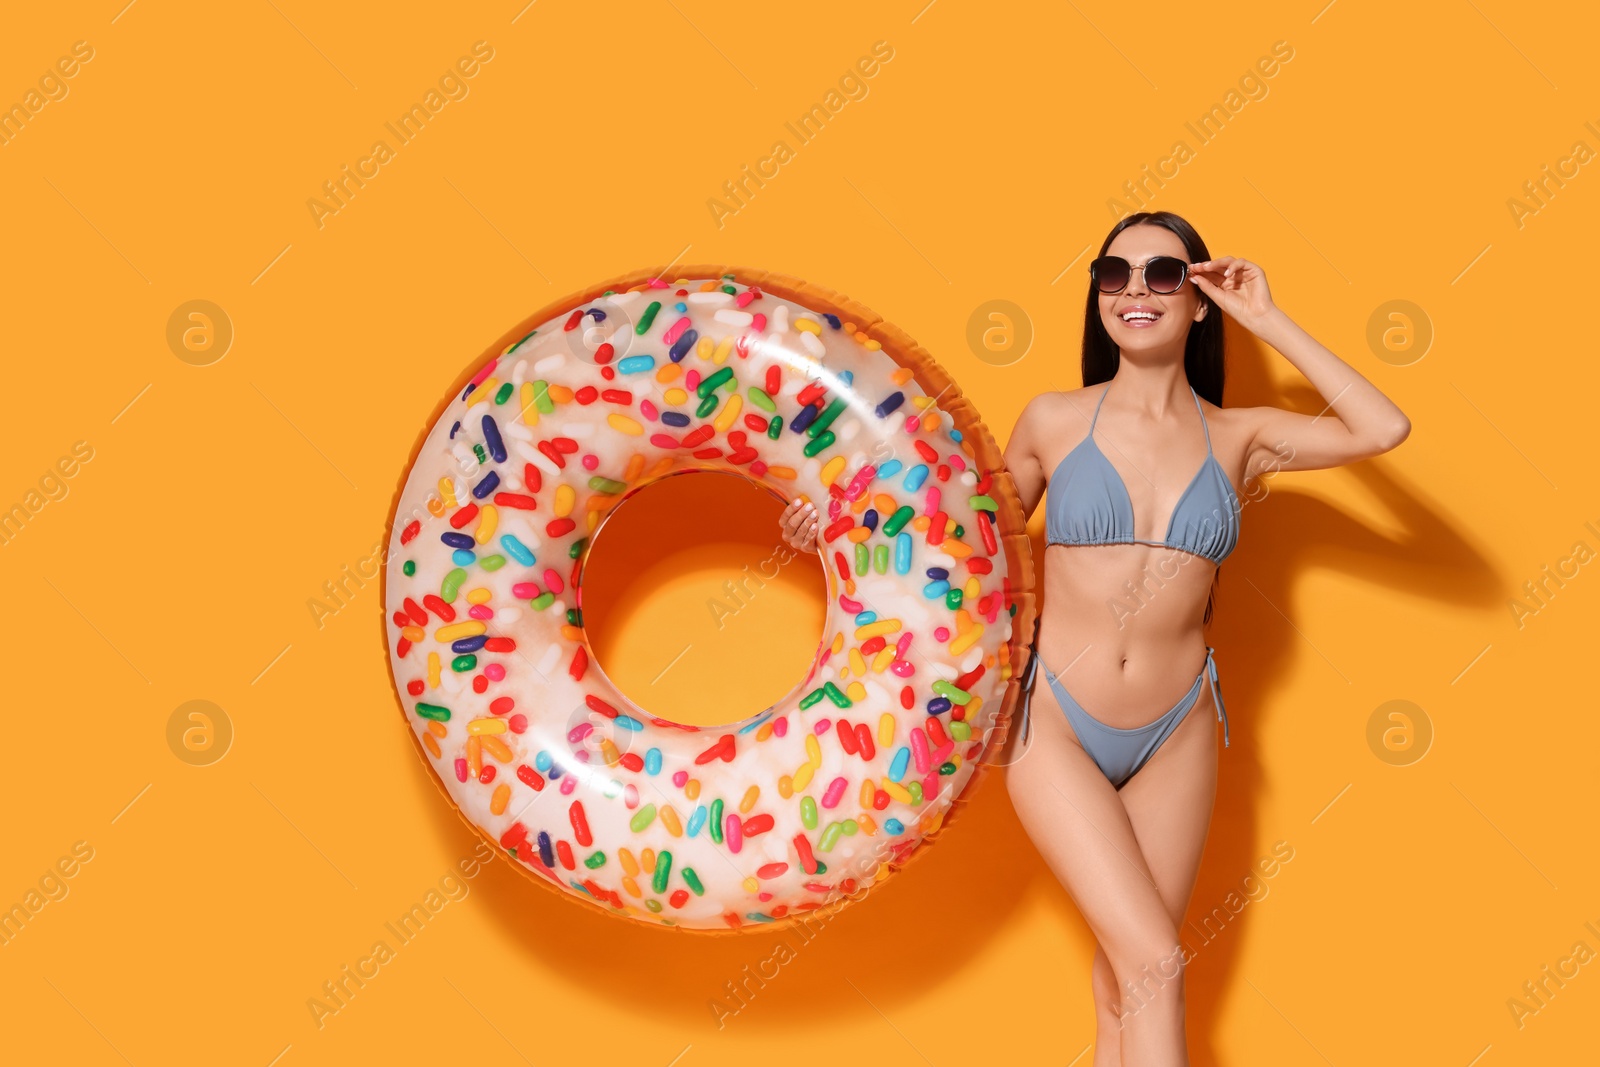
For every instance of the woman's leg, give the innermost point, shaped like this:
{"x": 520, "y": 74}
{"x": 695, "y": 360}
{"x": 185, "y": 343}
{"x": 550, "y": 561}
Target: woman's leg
{"x": 1080, "y": 826}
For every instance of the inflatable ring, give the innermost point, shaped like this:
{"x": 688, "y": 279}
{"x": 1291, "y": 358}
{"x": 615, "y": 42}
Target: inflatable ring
{"x": 787, "y": 814}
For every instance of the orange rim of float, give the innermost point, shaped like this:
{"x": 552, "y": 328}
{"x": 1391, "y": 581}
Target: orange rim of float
{"x": 976, "y": 442}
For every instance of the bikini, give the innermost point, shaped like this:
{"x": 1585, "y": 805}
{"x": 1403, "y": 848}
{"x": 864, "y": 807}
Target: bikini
{"x": 1089, "y": 505}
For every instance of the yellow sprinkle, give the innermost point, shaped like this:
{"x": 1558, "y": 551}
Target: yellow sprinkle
{"x": 729, "y": 412}
{"x": 838, "y": 642}
{"x": 470, "y": 628}
{"x": 764, "y": 731}
{"x": 868, "y": 824}
{"x": 565, "y": 498}
{"x": 483, "y": 392}
{"x": 867, "y": 793}
{"x": 856, "y": 692}
{"x": 486, "y": 726}
{"x": 647, "y": 859}
{"x": 813, "y": 750}
{"x": 858, "y": 666}
{"x": 497, "y": 748}
{"x": 635, "y": 465}
{"x": 435, "y": 506}
{"x": 437, "y": 728}
{"x": 691, "y": 789}
{"x": 970, "y": 590}
{"x": 530, "y": 410}
{"x": 802, "y": 777}
{"x": 501, "y": 797}
{"x": 706, "y": 287}
{"x": 964, "y": 642}
{"x": 882, "y": 660}
{"x": 805, "y": 325}
{"x": 669, "y": 819}
{"x": 872, "y": 346}
{"x": 704, "y": 349}
{"x": 431, "y": 745}
{"x": 608, "y": 752}
{"x": 560, "y": 394}
{"x": 676, "y": 396}
{"x": 897, "y": 791}
{"x": 433, "y": 670}
{"x": 669, "y": 372}
{"x": 724, "y": 350}
{"x": 921, "y": 401}
{"x": 572, "y": 633}
{"x": 488, "y": 519}
{"x": 750, "y": 885}
{"x": 475, "y": 755}
{"x": 785, "y": 786}
{"x": 447, "y": 490}
{"x": 630, "y": 887}
{"x": 630, "y": 866}
{"x": 749, "y": 799}
{"x": 479, "y": 595}
{"x": 885, "y": 729}
{"x": 413, "y": 633}
{"x": 873, "y": 629}
{"x": 622, "y": 424}
{"x": 788, "y": 474}
{"x": 663, "y": 465}
{"x": 831, "y": 470}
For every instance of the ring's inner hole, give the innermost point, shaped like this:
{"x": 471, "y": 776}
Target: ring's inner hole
{"x": 693, "y": 604}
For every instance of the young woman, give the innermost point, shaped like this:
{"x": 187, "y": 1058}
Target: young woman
{"x": 1141, "y": 465}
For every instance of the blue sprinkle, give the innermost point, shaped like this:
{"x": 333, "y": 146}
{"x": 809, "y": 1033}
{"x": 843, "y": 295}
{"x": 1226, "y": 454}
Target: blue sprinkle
{"x": 833, "y": 320}
{"x": 457, "y": 540}
{"x": 915, "y": 477}
{"x": 869, "y": 518}
{"x": 955, "y": 435}
{"x": 897, "y": 769}
{"x": 806, "y": 417}
{"x": 680, "y": 306}
{"x": 635, "y": 364}
{"x": 674, "y": 418}
{"x": 546, "y": 852}
{"x": 492, "y": 438}
{"x": 890, "y": 469}
{"x": 628, "y": 722}
{"x": 847, "y": 376}
{"x": 490, "y": 483}
{"x": 652, "y": 761}
{"x": 555, "y": 771}
{"x": 599, "y": 316}
{"x": 469, "y": 644}
{"x": 697, "y": 820}
{"x": 935, "y": 590}
{"x": 681, "y": 346}
{"x": 938, "y": 705}
{"x": 541, "y": 762}
{"x": 753, "y": 724}
{"x": 517, "y": 550}
{"x": 894, "y": 826}
{"x": 462, "y": 558}
{"x": 937, "y": 573}
{"x": 889, "y": 405}
{"x": 453, "y": 430}
{"x": 866, "y": 617}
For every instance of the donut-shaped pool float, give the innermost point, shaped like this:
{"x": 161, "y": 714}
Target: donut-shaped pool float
{"x": 788, "y": 813}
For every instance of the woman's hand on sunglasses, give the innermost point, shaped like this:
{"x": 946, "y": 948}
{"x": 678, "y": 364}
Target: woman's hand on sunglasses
{"x": 1237, "y": 285}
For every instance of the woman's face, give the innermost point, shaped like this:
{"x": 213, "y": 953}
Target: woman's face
{"x": 1126, "y": 315}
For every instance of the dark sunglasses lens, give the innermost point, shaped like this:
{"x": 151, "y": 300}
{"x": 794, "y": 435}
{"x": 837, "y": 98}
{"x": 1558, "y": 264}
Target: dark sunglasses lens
{"x": 1110, "y": 273}
{"x": 1164, "y": 274}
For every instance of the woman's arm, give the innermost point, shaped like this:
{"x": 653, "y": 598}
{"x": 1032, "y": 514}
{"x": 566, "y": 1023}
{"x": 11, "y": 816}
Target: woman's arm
{"x": 1363, "y": 422}
{"x": 1022, "y": 456}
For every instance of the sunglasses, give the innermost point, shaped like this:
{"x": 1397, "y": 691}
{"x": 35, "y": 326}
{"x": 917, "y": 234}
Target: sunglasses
{"x": 1162, "y": 274}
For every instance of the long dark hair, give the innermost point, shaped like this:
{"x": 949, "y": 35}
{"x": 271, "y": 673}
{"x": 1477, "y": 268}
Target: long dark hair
{"x": 1202, "y": 351}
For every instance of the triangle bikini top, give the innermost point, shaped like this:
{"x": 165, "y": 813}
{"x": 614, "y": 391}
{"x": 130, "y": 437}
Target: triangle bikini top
{"x": 1089, "y": 502}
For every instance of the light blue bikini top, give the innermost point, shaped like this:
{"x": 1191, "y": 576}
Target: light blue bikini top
{"x": 1089, "y": 502}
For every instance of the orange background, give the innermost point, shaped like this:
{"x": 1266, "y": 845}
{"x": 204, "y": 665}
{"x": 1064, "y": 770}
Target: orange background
{"x": 1377, "y": 164}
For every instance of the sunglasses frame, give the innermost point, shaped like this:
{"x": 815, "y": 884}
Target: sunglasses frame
{"x": 1095, "y": 280}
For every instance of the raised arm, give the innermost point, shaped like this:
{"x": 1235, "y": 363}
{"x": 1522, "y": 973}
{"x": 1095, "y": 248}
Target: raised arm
{"x": 1360, "y": 421}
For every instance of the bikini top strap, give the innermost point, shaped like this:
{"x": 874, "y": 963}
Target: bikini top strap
{"x": 1102, "y": 400}
{"x": 1203, "y": 425}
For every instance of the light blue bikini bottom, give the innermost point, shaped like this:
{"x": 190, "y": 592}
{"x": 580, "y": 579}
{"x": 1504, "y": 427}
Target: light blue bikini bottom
{"x": 1120, "y": 753}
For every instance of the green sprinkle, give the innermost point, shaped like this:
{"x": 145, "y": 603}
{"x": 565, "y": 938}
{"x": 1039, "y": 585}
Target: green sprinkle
{"x": 693, "y": 881}
{"x": 577, "y": 548}
{"x": 952, "y": 599}
{"x": 642, "y": 818}
{"x": 819, "y": 444}
{"x": 811, "y": 698}
{"x": 863, "y": 559}
{"x": 541, "y": 396}
{"x": 409, "y": 567}
{"x": 492, "y": 563}
{"x": 595, "y": 861}
{"x": 982, "y": 503}
{"x": 880, "y": 559}
{"x": 542, "y": 601}
{"x": 503, "y": 393}
{"x": 945, "y": 689}
{"x": 574, "y": 617}
{"x": 760, "y": 399}
{"x": 959, "y": 729}
{"x": 518, "y": 345}
{"x": 832, "y": 692}
{"x": 709, "y": 386}
{"x": 824, "y": 420}
{"x": 850, "y": 827}
{"x": 612, "y": 790}
{"x": 606, "y": 485}
{"x": 897, "y": 520}
{"x": 715, "y": 822}
{"x": 477, "y": 450}
{"x": 730, "y": 290}
{"x": 915, "y": 789}
{"x": 647, "y": 318}
{"x": 830, "y": 837}
{"x": 434, "y": 712}
{"x": 775, "y": 427}
{"x": 663, "y": 869}
{"x": 959, "y": 532}
{"x": 451, "y": 584}
{"x": 464, "y": 663}
{"x": 808, "y": 812}
{"x": 947, "y": 768}
{"x": 652, "y": 904}
{"x": 707, "y": 406}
